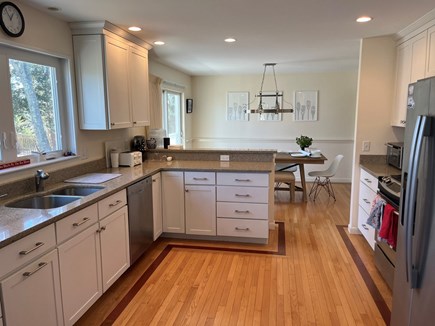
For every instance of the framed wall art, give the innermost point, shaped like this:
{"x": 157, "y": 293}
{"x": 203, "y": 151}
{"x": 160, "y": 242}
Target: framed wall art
{"x": 269, "y": 102}
{"x": 237, "y": 106}
{"x": 306, "y": 106}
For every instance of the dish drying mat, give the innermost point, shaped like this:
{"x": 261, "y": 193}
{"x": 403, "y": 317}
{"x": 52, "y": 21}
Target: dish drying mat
{"x": 94, "y": 178}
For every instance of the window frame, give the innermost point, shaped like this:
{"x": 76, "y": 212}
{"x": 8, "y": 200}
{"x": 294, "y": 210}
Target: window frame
{"x": 62, "y": 95}
{"x": 165, "y": 91}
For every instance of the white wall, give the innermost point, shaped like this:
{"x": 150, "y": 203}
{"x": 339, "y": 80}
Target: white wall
{"x": 374, "y": 103}
{"x": 333, "y": 132}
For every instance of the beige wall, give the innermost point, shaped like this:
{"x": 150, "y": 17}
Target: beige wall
{"x": 375, "y": 96}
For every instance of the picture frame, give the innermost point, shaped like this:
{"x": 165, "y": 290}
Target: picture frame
{"x": 306, "y": 107}
{"x": 189, "y": 105}
{"x": 269, "y": 103}
{"x": 237, "y": 106}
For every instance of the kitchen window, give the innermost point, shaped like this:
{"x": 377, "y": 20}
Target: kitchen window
{"x": 172, "y": 106}
{"x": 33, "y": 109}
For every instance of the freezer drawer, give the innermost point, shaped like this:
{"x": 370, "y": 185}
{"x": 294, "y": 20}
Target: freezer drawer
{"x": 385, "y": 267}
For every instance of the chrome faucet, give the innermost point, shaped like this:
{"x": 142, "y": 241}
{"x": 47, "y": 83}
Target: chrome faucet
{"x": 39, "y": 179}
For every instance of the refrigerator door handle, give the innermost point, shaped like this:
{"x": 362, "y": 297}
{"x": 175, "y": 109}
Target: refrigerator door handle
{"x": 422, "y": 128}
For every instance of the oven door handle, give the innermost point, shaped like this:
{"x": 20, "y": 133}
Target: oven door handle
{"x": 422, "y": 128}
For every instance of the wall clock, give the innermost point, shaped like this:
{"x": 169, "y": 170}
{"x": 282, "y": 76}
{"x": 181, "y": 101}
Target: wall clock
{"x": 11, "y": 19}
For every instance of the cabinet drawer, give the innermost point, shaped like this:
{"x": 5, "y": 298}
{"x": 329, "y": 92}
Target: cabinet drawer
{"x": 77, "y": 222}
{"x": 242, "y": 228}
{"x": 243, "y": 194}
{"x": 112, "y": 203}
{"x": 367, "y": 231}
{"x": 243, "y": 210}
{"x": 370, "y": 180}
{"x": 24, "y": 250}
{"x": 366, "y": 197}
{"x": 199, "y": 178}
{"x": 243, "y": 179}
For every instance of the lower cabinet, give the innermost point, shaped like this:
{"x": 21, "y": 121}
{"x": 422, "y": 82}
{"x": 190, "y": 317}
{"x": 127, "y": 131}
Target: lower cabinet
{"x": 157, "y": 206}
{"x": 43, "y": 306}
{"x": 173, "y": 201}
{"x": 200, "y": 204}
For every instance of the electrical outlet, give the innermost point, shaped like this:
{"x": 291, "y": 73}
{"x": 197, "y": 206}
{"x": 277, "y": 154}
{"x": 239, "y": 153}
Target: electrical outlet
{"x": 225, "y": 157}
{"x": 366, "y": 146}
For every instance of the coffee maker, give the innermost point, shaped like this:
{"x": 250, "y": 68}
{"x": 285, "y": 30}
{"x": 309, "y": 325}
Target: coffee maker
{"x": 138, "y": 144}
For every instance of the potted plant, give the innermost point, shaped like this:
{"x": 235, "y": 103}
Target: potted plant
{"x": 304, "y": 141}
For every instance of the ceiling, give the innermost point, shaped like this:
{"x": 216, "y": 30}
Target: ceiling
{"x": 309, "y": 35}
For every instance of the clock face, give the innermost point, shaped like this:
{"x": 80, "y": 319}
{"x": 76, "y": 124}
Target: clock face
{"x": 11, "y": 20}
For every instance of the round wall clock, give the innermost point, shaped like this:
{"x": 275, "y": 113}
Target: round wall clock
{"x": 11, "y": 19}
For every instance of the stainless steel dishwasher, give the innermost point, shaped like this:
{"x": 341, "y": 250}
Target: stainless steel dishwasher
{"x": 140, "y": 217}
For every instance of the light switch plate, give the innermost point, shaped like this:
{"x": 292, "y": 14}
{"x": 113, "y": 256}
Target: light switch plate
{"x": 225, "y": 158}
{"x": 366, "y": 146}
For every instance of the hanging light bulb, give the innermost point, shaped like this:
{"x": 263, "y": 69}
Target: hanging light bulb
{"x": 277, "y": 108}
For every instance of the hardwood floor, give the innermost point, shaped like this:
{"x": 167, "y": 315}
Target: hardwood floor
{"x": 314, "y": 281}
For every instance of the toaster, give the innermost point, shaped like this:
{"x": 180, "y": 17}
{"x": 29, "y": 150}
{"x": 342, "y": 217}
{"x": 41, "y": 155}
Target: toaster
{"x": 130, "y": 158}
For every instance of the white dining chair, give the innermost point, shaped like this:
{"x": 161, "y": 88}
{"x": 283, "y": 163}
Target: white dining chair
{"x": 323, "y": 179}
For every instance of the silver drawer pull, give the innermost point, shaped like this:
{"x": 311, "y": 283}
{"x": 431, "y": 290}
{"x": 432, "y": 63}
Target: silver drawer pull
{"x": 244, "y": 212}
{"x": 242, "y": 180}
{"x": 103, "y": 228}
{"x": 239, "y": 195}
{"x": 200, "y": 179}
{"x": 241, "y": 229}
{"x": 115, "y": 203}
{"x": 365, "y": 227}
{"x": 37, "y": 245}
{"x": 368, "y": 180}
{"x": 85, "y": 219}
{"x": 366, "y": 201}
{"x": 40, "y": 265}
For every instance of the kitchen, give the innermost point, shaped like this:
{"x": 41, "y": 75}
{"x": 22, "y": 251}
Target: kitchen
{"x": 59, "y": 35}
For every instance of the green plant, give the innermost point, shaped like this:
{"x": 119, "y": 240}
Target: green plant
{"x": 304, "y": 141}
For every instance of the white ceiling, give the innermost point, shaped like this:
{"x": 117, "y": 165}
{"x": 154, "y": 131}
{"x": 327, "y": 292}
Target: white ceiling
{"x": 299, "y": 35}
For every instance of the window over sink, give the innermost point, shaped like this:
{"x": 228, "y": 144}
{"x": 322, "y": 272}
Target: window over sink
{"x": 34, "y": 113}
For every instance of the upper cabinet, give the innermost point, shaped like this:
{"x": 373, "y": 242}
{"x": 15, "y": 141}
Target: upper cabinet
{"x": 415, "y": 59}
{"x": 112, "y": 78}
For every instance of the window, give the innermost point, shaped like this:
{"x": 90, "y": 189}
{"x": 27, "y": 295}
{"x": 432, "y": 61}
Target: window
{"x": 33, "y": 108}
{"x": 172, "y": 116}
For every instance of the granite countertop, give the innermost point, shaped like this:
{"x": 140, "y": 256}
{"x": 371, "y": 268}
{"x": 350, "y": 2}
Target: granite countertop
{"x": 15, "y": 223}
{"x": 380, "y": 169}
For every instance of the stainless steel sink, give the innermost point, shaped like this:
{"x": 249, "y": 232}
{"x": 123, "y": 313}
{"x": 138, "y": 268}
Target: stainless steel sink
{"x": 77, "y": 190}
{"x": 44, "y": 202}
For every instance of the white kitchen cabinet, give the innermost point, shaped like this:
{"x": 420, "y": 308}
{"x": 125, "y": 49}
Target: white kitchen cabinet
{"x": 200, "y": 201}
{"x": 115, "y": 254}
{"x": 157, "y": 206}
{"x": 173, "y": 201}
{"x": 367, "y": 193}
{"x": 112, "y": 82}
{"x": 430, "y": 62}
{"x": 242, "y": 205}
{"x": 32, "y": 295}
{"x": 80, "y": 269}
{"x": 410, "y": 66}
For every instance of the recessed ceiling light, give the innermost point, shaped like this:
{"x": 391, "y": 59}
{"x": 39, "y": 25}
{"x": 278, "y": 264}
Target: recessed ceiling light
{"x": 134, "y": 29}
{"x": 159, "y": 43}
{"x": 230, "y": 40}
{"x": 364, "y": 19}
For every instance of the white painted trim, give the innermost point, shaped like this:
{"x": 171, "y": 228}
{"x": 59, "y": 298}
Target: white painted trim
{"x": 353, "y": 230}
{"x": 420, "y": 25}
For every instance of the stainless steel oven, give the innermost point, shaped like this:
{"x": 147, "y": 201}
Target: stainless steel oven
{"x": 385, "y": 255}
{"x": 395, "y": 154}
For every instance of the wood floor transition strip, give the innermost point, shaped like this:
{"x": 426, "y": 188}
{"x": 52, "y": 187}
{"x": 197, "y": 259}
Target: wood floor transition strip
{"x": 116, "y": 312}
{"x": 373, "y": 289}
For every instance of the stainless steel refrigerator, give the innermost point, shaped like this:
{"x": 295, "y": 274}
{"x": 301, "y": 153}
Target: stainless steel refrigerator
{"x": 414, "y": 279}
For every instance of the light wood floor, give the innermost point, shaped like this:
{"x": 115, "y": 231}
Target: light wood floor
{"x": 316, "y": 282}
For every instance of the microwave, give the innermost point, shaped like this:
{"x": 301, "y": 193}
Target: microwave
{"x": 395, "y": 154}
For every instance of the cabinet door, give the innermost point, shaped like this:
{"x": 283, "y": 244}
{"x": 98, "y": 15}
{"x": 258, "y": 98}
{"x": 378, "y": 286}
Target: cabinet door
{"x": 173, "y": 201}
{"x": 139, "y": 91}
{"x": 157, "y": 206}
{"x": 80, "y": 267}
{"x": 115, "y": 254}
{"x": 403, "y": 77}
{"x": 32, "y": 295}
{"x": 430, "y": 65}
{"x": 418, "y": 60}
{"x": 117, "y": 83}
{"x": 200, "y": 204}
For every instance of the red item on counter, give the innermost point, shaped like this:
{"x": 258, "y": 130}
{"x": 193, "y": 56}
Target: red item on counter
{"x": 388, "y": 231}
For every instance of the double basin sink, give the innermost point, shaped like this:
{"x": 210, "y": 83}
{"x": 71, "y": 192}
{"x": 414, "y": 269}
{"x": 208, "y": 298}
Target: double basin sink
{"x": 55, "y": 199}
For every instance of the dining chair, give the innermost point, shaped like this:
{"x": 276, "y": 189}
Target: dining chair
{"x": 284, "y": 175}
{"x": 323, "y": 179}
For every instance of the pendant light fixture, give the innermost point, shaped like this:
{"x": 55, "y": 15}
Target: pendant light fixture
{"x": 277, "y": 108}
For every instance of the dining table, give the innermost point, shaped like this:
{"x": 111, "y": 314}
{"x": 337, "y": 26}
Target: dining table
{"x": 296, "y": 158}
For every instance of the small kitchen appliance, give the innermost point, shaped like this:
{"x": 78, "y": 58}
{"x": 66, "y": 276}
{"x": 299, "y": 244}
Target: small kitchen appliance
{"x": 395, "y": 154}
{"x": 139, "y": 144}
{"x": 130, "y": 158}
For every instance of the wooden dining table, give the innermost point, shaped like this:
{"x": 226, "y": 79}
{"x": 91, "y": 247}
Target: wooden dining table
{"x": 286, "y": 157}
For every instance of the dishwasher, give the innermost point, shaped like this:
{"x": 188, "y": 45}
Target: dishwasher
{"x": 140, "y": 217}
